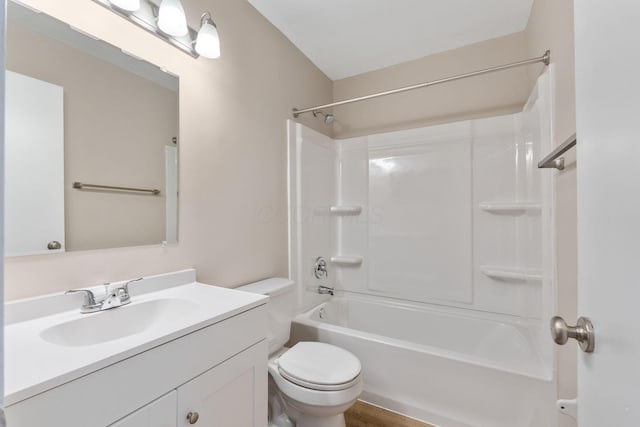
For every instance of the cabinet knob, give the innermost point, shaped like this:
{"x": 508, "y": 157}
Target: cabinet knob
{"x": 193, "y": 417}
{"x": 54, "y": 245}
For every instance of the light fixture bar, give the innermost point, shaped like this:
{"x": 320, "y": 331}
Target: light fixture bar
{"x": 146, "y": 18}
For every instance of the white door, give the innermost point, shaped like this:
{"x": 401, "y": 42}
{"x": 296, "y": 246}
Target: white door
{"x": 608, "y": 159}
{"x": 34, "y": 166}
{"x": 233, "y": 394}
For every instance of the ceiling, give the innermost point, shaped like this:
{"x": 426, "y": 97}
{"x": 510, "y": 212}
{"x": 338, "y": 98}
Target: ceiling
{"x": 349, "y": 37}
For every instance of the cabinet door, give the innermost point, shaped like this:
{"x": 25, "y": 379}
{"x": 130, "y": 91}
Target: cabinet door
{"x": 159, "y": 413}
{"x": 233, "y": 394}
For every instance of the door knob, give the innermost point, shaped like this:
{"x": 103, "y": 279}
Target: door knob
{"x": 583, "y": 332}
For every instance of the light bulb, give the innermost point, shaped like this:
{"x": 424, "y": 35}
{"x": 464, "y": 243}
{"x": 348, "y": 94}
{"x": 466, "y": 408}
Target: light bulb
{"x": 128, "y": 5}
{"x": 208, "y": 41}
{"x": 171, "y": 18}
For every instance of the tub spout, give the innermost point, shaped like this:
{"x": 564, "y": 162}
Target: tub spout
{"x": 325, "y": 290}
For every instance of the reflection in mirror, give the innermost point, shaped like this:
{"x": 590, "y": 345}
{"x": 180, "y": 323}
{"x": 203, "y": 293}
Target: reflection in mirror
{"x": 81, "y": 110}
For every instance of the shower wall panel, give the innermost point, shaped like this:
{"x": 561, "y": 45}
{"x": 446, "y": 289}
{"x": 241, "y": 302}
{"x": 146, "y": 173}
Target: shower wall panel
{"x": 312, "y": 191}
{"x": 420, "y": 188}
{"x": 451, "y": 216}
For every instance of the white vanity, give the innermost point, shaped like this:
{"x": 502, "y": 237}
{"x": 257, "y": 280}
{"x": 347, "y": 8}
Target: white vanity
{"x": 180, "y": 353}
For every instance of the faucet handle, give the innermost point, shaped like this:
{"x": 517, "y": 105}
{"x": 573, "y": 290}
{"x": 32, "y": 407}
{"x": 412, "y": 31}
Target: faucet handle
{"x": 320, "y": 268}
{"x": 123, "y": 291}
{"x": 89, "y": 303}
{"x": 126, "y": 285}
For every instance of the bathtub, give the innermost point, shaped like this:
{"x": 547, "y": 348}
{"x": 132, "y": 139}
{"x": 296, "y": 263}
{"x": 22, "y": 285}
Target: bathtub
{"x": 445, "y": 367}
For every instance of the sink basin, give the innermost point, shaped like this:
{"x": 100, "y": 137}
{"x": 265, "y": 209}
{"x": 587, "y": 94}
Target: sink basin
{"x": 117, "y": 323}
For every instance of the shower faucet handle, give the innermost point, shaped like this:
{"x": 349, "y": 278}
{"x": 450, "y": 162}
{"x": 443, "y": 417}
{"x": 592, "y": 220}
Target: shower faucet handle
{"x": 320, "y": 268}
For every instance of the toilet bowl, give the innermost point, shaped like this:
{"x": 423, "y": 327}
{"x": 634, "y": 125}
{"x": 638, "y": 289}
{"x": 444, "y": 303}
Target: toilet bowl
{"x": 317, "y": 382}
{"x": 312, "y": 383}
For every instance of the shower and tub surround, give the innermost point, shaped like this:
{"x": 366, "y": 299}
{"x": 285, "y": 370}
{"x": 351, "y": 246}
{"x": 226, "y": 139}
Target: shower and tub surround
{"x": 455, "y": 217}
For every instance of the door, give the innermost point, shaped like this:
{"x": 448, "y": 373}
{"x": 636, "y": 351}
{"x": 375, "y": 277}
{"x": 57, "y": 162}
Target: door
{"x": 608, "y": 159}
{"x": 34, "y": 166}
{"x": 233, "y": 393}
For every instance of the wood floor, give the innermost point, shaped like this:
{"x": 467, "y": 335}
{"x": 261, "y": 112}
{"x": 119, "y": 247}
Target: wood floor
{"x": 365, "y": 415}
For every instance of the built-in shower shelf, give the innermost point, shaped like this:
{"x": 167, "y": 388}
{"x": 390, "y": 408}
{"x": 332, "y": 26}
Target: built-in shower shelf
{"x": 510, "y": 208}
{"x": 346, "y": 210}
{"x": 510, "y": 274}
{"x": 346, "y": 260}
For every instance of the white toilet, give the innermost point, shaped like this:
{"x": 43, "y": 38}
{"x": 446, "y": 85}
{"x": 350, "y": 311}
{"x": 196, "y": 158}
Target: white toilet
{"x": 311, "y": 384}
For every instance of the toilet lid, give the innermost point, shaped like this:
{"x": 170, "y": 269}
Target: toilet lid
{"x": 319, "y": 366}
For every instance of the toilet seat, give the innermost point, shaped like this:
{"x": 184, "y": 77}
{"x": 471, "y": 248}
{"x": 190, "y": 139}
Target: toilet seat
{"x": 346, "y": 392}
{"x": 319, "y": 366}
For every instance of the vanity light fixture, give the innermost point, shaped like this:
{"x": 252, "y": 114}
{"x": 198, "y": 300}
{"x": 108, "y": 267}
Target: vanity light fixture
{"x": 208, "y": 41}
{"x": 128, "y": 5}
{"x": 171, "y": 18}
{"x": 166, "y": 20}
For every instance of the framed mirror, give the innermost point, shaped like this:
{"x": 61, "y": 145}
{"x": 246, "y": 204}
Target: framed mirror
{"x": 91, "y": 156}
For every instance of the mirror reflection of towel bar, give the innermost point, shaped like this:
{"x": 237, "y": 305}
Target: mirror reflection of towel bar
{"x": 82, "y": 186}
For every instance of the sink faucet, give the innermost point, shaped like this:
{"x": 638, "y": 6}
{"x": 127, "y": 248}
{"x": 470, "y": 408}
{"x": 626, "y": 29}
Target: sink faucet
{"x": 113, "y": 297}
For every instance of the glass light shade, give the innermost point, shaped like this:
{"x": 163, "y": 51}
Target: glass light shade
{"x": 208, "y": 41}
{"x": 128, "y": 5}
{"x": 171, "y": 18}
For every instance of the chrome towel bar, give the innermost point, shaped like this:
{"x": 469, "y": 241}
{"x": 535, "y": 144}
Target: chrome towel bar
{"x": 553, "y": 160}
{"x": 82, "y": 186}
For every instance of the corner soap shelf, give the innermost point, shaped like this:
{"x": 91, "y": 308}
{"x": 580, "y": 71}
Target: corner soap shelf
{"x": 346, "y": 210}
{"x": 347, "y": 260}
{"x": 515, "y": 208}
{"x": 502, "y": 273}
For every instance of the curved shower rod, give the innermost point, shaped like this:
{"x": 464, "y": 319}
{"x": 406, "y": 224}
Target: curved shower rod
{"x": 545, "y": 59}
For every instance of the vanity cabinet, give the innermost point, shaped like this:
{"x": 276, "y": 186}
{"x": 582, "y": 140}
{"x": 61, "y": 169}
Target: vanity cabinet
{"x": 227, "y": 395}
{"x": 219, "y": 371}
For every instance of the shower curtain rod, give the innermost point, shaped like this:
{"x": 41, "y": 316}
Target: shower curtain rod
{"x": 546, "y": 58}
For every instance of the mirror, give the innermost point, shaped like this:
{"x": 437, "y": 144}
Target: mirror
{"x": 91, "y": 142}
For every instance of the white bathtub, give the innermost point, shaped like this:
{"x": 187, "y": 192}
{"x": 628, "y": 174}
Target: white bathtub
{"x": 448, "y": 369}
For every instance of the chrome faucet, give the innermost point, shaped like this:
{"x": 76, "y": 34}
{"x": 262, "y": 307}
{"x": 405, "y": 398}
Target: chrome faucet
{"x": 114, "y": 297}
{"x": 325, "y": 290}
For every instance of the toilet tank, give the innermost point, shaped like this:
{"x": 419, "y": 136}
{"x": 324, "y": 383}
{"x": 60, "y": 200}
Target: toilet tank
{"x": 280, "y": 308}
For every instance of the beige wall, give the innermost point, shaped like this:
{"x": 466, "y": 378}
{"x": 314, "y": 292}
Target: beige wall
{"x": 116, "y": 126}
{"x": 233, "y": 175}
{"x": 482, "y": 96}
{"x": 551, "y": 27}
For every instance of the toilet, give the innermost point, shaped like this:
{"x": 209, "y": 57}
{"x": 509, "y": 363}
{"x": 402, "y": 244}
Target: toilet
{"x": 311, "y": 384}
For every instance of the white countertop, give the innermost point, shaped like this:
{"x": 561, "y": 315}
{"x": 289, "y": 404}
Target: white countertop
{"x": 34, "y": 365}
